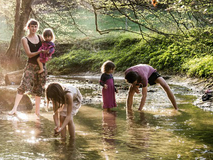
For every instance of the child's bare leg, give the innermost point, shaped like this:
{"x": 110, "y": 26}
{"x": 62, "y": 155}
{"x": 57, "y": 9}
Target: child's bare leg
{"x": 71, "y": 128}
{"x": 167, "y": 89}
{"x": 106, "y": 109}
{"x": 63, "y": 131}
{"x": 40, "y": 65}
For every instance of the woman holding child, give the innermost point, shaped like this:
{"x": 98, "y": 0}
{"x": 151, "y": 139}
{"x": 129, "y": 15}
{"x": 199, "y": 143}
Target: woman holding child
{"x": 31, "y": 80}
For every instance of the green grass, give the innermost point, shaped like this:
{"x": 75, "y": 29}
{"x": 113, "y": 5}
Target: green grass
{"x": 192, "y": 55}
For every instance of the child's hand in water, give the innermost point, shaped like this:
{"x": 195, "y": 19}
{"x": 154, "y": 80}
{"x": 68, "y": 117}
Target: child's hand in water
{"x": 56, "y": 131}
{"x": 56, "y": 134}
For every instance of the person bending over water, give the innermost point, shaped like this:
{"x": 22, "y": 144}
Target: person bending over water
{"x": 66, "y": 100}
{"x": 139, "y": 76}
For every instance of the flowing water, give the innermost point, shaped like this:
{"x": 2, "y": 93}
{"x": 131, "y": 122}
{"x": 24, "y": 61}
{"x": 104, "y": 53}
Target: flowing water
{"x": 158, "y": 132}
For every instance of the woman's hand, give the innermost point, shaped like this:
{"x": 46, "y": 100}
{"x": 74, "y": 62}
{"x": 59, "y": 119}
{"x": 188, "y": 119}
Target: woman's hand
{"x": 44, "y": 51}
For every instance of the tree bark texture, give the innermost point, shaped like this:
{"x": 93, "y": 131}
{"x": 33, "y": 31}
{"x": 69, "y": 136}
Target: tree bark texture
{"x": 22, "y": 13}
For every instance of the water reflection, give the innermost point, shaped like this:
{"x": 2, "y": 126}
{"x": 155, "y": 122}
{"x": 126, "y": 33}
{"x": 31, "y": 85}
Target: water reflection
{"x": 138, "y": 134}
{"x": 109, "y": 129}
{"x": 158, "y": 132}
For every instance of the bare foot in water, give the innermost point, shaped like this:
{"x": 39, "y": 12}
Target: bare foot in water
{"x": 37, "y": 116}
{"x": 12, "y": 112}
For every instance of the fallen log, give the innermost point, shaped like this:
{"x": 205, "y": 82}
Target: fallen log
{"x": 13, "y": 78}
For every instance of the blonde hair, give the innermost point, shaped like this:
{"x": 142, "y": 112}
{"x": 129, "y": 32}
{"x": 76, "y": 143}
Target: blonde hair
{"x": 107, "y": 66}
{"x": 48, "y": 32}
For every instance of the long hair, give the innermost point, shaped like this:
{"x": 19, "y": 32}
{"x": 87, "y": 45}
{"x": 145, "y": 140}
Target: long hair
{"x": 106, "y": 66}
{"x": 56, "y": 94}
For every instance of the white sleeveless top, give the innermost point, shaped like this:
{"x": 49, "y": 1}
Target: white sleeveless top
{"x": 77, "y": 100}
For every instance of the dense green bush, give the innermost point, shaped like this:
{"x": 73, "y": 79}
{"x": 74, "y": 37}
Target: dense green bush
{"x": 200, "y": 67}
{"x": 191, "y": 54}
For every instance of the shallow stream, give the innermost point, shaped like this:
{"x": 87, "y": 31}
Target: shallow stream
{"x": 158, "y": 132}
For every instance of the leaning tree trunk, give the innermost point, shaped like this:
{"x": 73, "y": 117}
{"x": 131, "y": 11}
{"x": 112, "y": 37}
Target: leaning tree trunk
{"x": 23, "y": 10}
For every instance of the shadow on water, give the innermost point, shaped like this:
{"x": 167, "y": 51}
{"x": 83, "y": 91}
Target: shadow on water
{"x": 158, "y": 132}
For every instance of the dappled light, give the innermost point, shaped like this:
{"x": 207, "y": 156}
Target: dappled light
{"x": 157, "y": 132}
{"x": 174, "y": 37}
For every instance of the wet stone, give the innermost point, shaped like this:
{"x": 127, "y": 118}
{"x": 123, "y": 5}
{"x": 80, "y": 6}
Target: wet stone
{"x": 7, "y": 98}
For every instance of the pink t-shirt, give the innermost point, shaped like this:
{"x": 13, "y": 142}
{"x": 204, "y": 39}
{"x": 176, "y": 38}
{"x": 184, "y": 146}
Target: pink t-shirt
{"x": 144, "y": 71}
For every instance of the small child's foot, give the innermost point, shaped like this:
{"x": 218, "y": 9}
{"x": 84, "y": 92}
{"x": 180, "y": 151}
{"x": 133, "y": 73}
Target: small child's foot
{"x": 40, "y": 71}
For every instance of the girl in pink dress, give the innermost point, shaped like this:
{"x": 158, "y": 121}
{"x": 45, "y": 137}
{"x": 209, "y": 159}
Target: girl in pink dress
{"x": 107, "y": 81}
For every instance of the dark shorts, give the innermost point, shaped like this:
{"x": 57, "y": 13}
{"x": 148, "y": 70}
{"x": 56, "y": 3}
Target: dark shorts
{"x": 153, "y": 77}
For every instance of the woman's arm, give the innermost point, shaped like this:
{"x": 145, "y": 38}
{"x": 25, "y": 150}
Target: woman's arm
{"x": 143, "y": 99}
{"x": 130, "y": 97}
{"x": 27, "y": 49}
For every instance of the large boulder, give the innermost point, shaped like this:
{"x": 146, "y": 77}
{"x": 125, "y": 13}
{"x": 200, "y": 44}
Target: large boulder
{"x": 13, "y": 78}
{"x": 7, "y": 98}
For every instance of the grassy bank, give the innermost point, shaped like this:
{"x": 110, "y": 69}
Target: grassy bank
{"x": 191, "y": 54}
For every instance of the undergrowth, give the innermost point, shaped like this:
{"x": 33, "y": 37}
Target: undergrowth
{"x": 191, "y": 54}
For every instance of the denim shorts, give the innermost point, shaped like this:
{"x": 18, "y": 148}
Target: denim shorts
{"x": 153, "y": 77}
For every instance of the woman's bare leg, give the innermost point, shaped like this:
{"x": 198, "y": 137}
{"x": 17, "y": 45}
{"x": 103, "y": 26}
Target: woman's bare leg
{"x": 16, "y": 103}
{"x": 167, "y": 89}
{"x": 37, "y": 106}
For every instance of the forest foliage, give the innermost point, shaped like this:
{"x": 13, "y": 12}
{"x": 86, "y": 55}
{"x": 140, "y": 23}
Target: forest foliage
{"x": 173, "y": 36}
{"x": 191, "y": 54}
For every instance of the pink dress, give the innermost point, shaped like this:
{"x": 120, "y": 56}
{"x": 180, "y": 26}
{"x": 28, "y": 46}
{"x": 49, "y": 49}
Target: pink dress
{"x": 108, "y": 95}
{"x": 44, "y": 57}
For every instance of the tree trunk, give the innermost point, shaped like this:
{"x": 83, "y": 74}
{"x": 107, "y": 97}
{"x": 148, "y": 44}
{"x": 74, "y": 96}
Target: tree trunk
{"x": 23, "y": 10}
